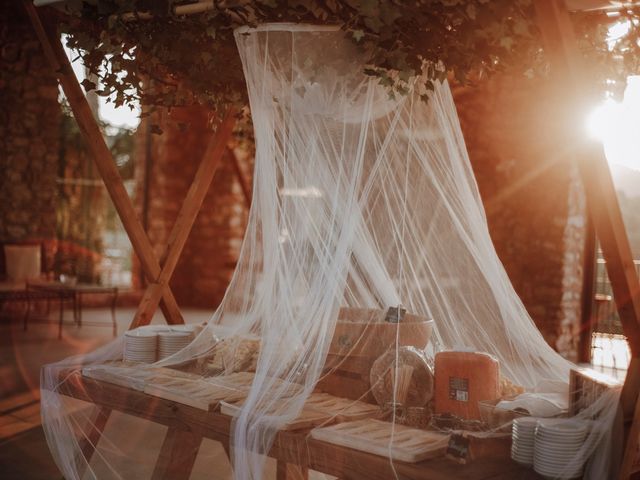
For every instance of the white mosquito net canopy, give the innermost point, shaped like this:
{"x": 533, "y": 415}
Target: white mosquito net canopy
{"x": 366, "y": 257}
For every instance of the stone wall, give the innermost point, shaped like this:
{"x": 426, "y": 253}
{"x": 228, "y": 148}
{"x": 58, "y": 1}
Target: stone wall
{"x": 533, "y": 198}
{"x": 29, "y": 132}
{"x": 210, "y": 254}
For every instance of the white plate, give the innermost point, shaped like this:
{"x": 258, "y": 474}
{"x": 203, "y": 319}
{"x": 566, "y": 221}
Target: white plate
{"x": 176, "y": 334}
{"x": 558, "y": 446}
{"x": 523, "y": 440}
{"x": 560, "y": 459}
{"x": 555, "y": 444}
{"x": 521, "y": 451}
{"x": 558, "y": 465}
{"x": 559, "y": 441}
{"x": 528, "y": 457}
{"x": 523, "y": 460}
{"x": 561, "y": 472}
{"x": 137, "y": 333}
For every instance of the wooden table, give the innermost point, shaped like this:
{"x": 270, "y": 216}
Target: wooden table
{"x": 295, "y": 452}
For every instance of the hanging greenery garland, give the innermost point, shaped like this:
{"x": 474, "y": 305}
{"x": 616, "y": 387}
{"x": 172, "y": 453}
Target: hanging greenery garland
{"x": 145, "y": 51}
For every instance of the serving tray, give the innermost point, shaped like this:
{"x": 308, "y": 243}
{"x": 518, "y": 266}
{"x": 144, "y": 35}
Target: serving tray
{"x": 375, "y": 436}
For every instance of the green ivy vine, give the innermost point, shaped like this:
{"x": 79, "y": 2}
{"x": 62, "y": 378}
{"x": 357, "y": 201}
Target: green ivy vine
{"x": 141, "y": 50}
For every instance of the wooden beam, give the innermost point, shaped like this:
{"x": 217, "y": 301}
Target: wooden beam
{"x": 186, "y": 218}
{"x": 588, "y": 319}
{"x": 570, "y": 74}
{"x": 242, "y": 179}
{"x": 102, "y": 156}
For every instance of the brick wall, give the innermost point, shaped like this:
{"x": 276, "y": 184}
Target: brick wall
{"x": 534, "y": 200}
{"x": 29, "y": 132}
{"x": 209, "y": 257}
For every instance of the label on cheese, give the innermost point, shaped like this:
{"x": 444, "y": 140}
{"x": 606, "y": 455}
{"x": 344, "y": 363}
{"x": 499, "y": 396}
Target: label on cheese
{"x": 459, "y": 389}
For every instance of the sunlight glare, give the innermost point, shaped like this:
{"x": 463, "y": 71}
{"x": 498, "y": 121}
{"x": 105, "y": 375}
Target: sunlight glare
{"x": 617, "y": 31}
{"x": 617, "y": 126}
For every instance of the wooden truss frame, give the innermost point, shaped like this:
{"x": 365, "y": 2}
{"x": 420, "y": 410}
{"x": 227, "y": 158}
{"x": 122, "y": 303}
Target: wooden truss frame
{"x": 604, "y": 211}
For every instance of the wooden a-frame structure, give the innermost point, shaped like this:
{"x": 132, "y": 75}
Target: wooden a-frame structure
{"x": 604, "y": 212}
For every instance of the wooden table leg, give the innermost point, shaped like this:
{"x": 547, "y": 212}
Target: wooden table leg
{"x": 177, "y": 455}
{"x": 89, "y": 442}
{"x": 290, "y": 471}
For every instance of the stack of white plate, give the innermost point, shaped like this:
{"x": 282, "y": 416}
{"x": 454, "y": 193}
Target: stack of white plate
{"x": 172, "y": 341}
{"x": 557, "y": 445}
{"x": 523, "y": 439}
{"x": 140, "y": 345}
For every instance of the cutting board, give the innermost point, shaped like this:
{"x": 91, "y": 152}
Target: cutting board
{"x": 122, "y": 375}
{"x": 307, "y": 419}
{"x": 342, "y": 409}
{"x": 133, "y": 376}
{"x": 374, "y": 436}
{"x": 204, "y": 394}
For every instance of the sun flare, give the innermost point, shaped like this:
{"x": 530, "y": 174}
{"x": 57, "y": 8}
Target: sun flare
{"x": 617, "y": 126}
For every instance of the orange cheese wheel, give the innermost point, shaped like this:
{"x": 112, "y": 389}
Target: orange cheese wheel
{"x": 462, "y": 379}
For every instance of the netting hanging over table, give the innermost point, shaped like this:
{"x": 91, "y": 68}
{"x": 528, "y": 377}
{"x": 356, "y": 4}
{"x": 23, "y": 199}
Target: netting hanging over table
{"x": 368, "y": 309}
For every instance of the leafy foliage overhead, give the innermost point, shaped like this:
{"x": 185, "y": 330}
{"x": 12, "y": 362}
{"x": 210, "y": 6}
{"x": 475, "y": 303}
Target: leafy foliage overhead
{"x": 145, "y": 50}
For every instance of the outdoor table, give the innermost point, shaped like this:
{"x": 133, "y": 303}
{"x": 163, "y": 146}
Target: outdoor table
{"x": 295, "y": 452}
{"x": 73, "y": 292}
{"x": 21, "y": 292}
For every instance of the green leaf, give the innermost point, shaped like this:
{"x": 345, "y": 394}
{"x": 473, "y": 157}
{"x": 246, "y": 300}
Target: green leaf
{"x": 88, "y": 85}
{"x": 358, "y": 35}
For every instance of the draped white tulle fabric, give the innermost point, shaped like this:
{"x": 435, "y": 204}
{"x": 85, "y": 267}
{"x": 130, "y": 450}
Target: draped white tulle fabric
{"x": 360, "y": 199}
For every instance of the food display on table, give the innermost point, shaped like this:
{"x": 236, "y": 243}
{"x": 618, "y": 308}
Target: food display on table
{"x": 378, "y": 393}
{"x": 234, "y": 354}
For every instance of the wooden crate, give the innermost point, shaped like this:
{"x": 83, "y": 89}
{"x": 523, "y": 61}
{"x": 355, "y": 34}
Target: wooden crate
{"x": 360, "y": 337}
{"x": 586, "y": 386}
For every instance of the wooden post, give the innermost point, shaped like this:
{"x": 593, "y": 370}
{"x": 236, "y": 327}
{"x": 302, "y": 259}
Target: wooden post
{"x": 102, "y": 156}
{"x": 566, "y": 63}
{"x": 588, "y": 291}
{"x": 187, "y": 216}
